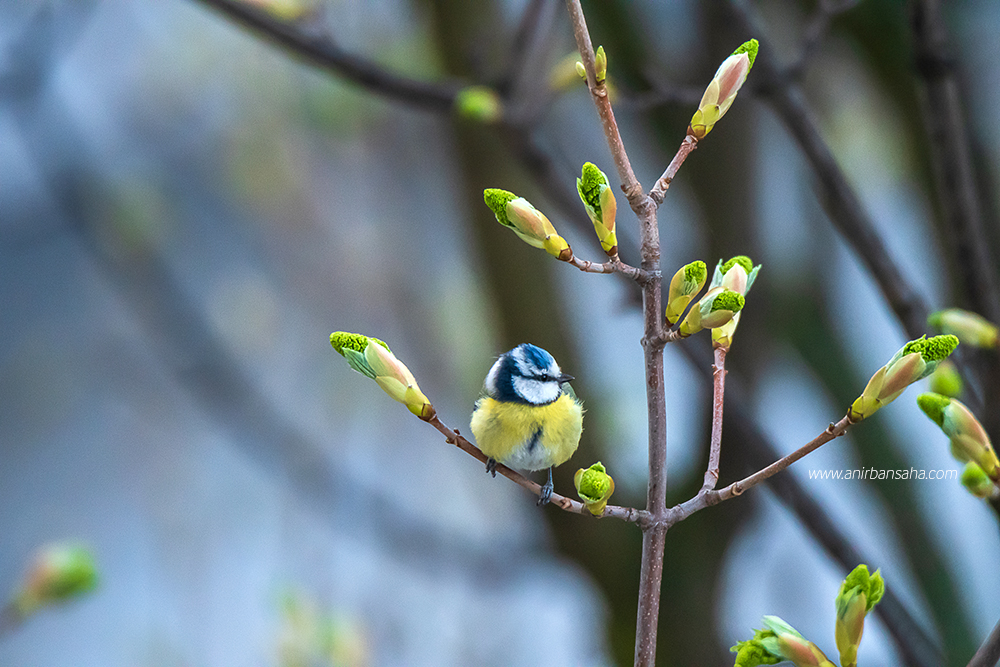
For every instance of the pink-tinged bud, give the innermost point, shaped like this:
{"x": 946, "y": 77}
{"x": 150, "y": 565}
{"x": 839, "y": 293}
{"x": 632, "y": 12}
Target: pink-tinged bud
{"x": 969, "y": 441}
{"x": 722, "y": 89}
{"x": 783, "y": 641}
{"x": 58, "y": 572}
{"x": 396, "y": 380}
{"x": 915, "y": 361}
{"x": 530, "y": 224}
{"x": 971, "y": 329}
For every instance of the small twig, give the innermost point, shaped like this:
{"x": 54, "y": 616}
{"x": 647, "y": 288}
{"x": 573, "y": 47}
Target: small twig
{"x": 708, "y": 498}
{"x": 988, "y": 654}
{"x": 613, "y": 265}
{"x": 453, "y": 437}
{"x": 715, "y": 444}
{"x": 659, "y": 190}
{"x": 630, "y": 184}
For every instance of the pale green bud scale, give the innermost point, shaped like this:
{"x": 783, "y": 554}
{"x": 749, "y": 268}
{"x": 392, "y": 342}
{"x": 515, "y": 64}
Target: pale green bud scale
{"x": 933, "y": 406}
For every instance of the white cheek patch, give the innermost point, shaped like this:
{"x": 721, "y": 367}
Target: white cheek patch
{"x": 536, "y": 391}
{"x": 491, "y": 378}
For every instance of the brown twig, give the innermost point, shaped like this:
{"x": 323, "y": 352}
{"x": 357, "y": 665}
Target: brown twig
{"x": 718, "y": 394}
{"x": 630, "y": 184}
{"x": 654, "y": 534}
{"x": 453, "y": 437}
{"x": 659, "y": 190}
{"x": 708, "y": 498}
{"x": 613, "y": 265}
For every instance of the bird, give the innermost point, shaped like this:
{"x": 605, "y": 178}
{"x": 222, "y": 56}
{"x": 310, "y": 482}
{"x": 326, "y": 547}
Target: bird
{"x": 528, "y": 417}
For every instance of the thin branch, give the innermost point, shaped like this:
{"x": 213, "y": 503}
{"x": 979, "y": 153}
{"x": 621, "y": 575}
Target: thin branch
{"x": 613, "y": 265}
{"x": 707, "y": 499}
{"x": 320, "y": 50}
{"x": 630, "y": 184}
{"x": 659, "y": 190}
{"x": 988, "y": 654}
{"x": 654, "y": 535}
{"x": 715, "y": 444}
{"x": 453, "y": 437}
{"x": 951, "y": 161}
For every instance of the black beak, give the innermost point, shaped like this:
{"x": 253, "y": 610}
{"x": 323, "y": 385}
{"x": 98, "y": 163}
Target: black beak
{"x": 565, "y": 378}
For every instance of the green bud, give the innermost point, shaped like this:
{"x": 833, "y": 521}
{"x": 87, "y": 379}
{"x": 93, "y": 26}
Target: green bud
{"x": 497, "y": 200}
{"x": 969, "y": 440}
{"x": 971, "y": 329}
{"x": 915, "y": 361}
{"x": 749, "y": 48}
{"x": 978, "y": 482}
{"x": 858, "y": 594}
{"x": 600, "y": 65}
{"x": 479, "y": 103}
{"x": 599, "y": 200}
{"x": 58, "y": 572}
{"x": 594, "y": 486}
{"x": 946, "y": 380}
{"x": 728, "y": 300}
{"x": 742, "y": 260}
{"x": 581, "y": 70}
{"x": 685, "y": 284}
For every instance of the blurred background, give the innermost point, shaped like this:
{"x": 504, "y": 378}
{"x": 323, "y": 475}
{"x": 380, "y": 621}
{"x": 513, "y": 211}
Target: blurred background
{"x": 187, "y": 211}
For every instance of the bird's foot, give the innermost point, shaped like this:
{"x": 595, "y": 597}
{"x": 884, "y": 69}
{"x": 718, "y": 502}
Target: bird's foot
{"x": 491, "y": 466}
{"x": 546, "y": 493}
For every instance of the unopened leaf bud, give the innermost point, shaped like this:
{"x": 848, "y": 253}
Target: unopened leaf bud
{"x": 716, "y": 308}
{"x": 978, "y": 482}
{"x": 684, "y": 286}
{"x": 530, "y": 224}
{"x": 58, "y": 572}
{"x": 479, "y": 103}
{"x": 971, "y": 329}
{"x": 946, "y": 379}
{"x": 737, "y": 274}
{"x": 594, "y": 486}
{"x": 778, "y": 641}
{"x": 969, "y": 441}
{"x": 599, "y": 199}
{"x": 914, "y": 361}
{"x": 600, "y": 65}
{"x": 380, "y": 364}
{"x": 858, "y": 594}
{"x": 722, "y": 90}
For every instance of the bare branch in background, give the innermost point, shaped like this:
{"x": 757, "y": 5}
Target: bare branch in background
{"x": 951, "y": 159}
{"x": 838, "y": 198}
{"x": 816, "y": 31}
{"x": 988, "y": 654}
{"x": 321, "y": 50}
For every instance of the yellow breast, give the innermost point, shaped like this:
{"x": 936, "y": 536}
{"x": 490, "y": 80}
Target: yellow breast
{"x": 528, "y": 437}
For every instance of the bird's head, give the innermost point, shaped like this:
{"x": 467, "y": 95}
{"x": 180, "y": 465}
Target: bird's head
{"x": 526, "y": 374}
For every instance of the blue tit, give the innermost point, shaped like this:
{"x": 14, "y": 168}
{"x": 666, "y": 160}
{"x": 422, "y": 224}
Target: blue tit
{"x": 528, "y": 417}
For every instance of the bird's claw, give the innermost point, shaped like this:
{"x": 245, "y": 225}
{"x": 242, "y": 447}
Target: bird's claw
{"x": 491, "y": 466}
